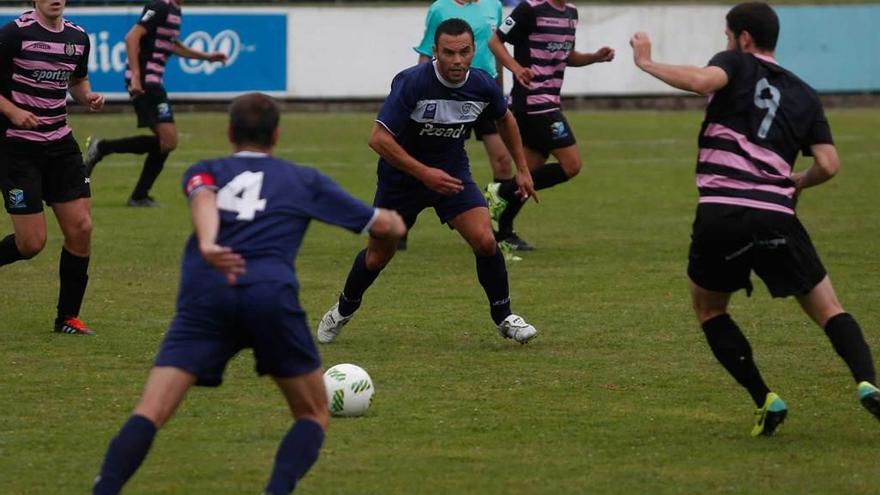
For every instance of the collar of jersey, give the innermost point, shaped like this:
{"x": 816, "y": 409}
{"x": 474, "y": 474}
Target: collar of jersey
{"x": 447, "y": 83}
{"x": 766, "y": 58}
{"x": 251, "y": 154}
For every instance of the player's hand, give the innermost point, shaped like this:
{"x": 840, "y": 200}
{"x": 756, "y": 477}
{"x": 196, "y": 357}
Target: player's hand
{"x": 524, "y": 75}
{"x": 218, "y": 57}
{"x": 605, "y": 54}
{"x": 96, "y": 101}
{"x": 135, "y": 89}
{"x": 439, "y": 181}
{"x": 23, "y": 119}
{"x": 641, "y": 45}
{"x": 224, "y": 259}
{"x": 525, "y": 188}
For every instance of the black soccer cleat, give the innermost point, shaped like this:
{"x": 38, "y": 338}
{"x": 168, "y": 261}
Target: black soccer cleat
{"x": 517, "y": 243}
{"x": 145, "y": 202}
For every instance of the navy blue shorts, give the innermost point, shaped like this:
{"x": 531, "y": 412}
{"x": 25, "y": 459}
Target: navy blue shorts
{"x": 212, "y": 327}
{"x": 410, "y": 201}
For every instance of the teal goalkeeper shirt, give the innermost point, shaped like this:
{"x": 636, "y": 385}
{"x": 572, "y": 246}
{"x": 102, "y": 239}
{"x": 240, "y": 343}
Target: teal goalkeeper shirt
{"x": 483, "y": 16}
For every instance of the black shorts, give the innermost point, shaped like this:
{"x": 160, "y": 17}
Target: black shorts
{"x": 153, "y": 107}
{"x": 31, "y": 173}
{"x": 545, "y": 132}
{"x": 728, "y": 242}
{"x": 483, "y": 126}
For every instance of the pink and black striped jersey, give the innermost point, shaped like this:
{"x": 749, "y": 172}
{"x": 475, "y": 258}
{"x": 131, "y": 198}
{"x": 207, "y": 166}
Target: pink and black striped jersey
{"x": 542, "y": 36}
{"x": 161, "y": 19}
{"x": 36, "y": 65}
{"x": 753, "y": 131}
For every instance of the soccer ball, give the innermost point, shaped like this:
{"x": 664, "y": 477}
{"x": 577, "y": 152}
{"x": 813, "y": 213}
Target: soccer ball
{"x": 349, "y": 390}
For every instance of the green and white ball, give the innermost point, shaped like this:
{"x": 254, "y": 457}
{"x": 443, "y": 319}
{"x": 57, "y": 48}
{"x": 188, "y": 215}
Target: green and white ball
{"x": 349, "y": 390}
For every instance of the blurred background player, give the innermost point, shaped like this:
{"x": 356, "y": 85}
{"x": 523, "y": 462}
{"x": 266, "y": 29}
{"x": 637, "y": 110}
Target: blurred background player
{"x": 542, "y": 33}
{"x": 758, "y": 120}
{"x": 238, "y": 289}
{"x": 151, "y": 41}
{"x": 484, "y": 16}
{"x": 419, "y": 136}
{"x": 43, "y": 57}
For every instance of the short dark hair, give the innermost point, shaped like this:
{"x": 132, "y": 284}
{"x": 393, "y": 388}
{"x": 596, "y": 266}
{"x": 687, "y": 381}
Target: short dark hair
{"x": 453, "y": 27}
{"x": 253, "y": 118}
{"x": 758, "y": 19}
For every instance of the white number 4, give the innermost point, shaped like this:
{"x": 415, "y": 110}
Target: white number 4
{"x": 242, "y": 195}
{"x": 771, "y": 104}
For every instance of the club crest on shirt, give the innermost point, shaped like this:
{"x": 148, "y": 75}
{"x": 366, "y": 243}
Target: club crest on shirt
{"x": 430, "y": 111}
{"x": 69, "y": 49}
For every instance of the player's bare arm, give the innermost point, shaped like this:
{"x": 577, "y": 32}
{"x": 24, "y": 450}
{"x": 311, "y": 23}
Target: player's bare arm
{"x": 581, "y": 59}
{"x": 133, "y": 50}
{"x": 19, "y": 117}
{"x": 206, "y": 224}
{"x": 522, "y": 74}
{"x": 184, "y": 51}
{"x": 826, "y": 164}
{"x": 509, "y": 131}
{"x": 700, "y": 80}
{"x": 383, "y": 142}
{"x": 81, "y": 91}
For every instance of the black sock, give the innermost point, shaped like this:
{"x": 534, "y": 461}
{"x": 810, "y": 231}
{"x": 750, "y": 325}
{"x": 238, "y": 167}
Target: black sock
{"x": 548, "y": 176}
{"x": 499, "y": 179}
{"x": 136, "y": 144}
{"x": 359, "y": 280}
{"x": 153, "y": 165}
{"x": 846, "y": 337}
{"x": 492, "y": 274}
{"x": 73, "y": 272}
{"x": 733, "y": 351}
{"x": 9, "y": 251}
{"x": 124, "y": 455}
{"x": 507, "y": 191}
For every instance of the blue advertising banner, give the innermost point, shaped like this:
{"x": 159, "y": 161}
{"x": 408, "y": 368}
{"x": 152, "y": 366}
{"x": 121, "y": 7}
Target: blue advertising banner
{"x": 254, "y": 41}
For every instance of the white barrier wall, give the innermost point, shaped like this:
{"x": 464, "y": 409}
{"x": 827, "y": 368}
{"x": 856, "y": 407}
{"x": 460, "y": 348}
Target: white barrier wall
{"x": 354, "y": 52}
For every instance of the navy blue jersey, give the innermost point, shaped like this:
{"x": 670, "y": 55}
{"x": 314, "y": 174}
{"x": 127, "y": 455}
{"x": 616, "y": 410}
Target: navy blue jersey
{"x": 431, "y": 118}
{"x": 265, "y": 205}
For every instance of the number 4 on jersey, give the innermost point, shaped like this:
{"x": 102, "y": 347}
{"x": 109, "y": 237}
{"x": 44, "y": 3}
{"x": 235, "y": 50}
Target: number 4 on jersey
{"x": 242, "y": 195}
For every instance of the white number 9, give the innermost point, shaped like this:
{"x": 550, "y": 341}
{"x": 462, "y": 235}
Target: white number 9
{"x": 771, "y": 104}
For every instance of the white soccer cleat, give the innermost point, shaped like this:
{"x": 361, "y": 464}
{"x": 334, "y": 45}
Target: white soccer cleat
{"x": 331, "y": 324}
{"x": 514, "y": 327}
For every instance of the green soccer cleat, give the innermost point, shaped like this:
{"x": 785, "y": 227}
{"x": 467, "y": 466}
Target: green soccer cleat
{"x": 508, "y": 252}
{"x": 869, "y": 395}
{"x": 770, "y": 416}
{"x": 497, "y": 204}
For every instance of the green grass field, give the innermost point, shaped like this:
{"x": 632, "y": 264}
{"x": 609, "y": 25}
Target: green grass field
{"x": 619, "y": 394}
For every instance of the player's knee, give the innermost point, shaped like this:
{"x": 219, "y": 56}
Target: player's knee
{"x": 168, "y": 143}
{"x": 502, "y": 166}
{"x": 156, "y": 413}
{"x": 30, "y": 246}
{"x": 572, "y": 167}
{"x": 705, "y": 313}
{"x": 79, "y": 236}
{"x": 485, "y": 245}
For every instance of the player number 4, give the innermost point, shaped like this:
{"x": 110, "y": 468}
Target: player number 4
{"x": 771, "y": 104}
{"x": 242, "y": 195}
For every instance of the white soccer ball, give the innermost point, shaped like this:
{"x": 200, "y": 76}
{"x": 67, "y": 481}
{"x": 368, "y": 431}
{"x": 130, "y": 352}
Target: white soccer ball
{"x": 349, "y": 390}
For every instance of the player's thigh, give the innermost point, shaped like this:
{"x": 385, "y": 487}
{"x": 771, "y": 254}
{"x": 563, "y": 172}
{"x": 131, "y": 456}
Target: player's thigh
{"x": 30, "y": 233}
{"x": 499, "y": 157}
{"x": 475, "y": 227}
{"x": 75, "y": 219}
{"x": 721, "y": 249}
{"x": 785, "y": 257}
{"x": 707, "y": 304}
{"x": 165, "y": 390}
{"x": 821, "y": 303}
{"x": 201, "y": 338}
{"x": 569, "y": 159}
{"x": 21, "y": 179}
{"x": 276, "y": 327}
{"x": 306, "y": 396}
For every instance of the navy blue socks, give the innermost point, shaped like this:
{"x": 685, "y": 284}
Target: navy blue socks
{"x": 125, "y": 454}
{"x": 359, "y": 280}
{"x": 296, "y": 454}
{"x": 492, "y": 274}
